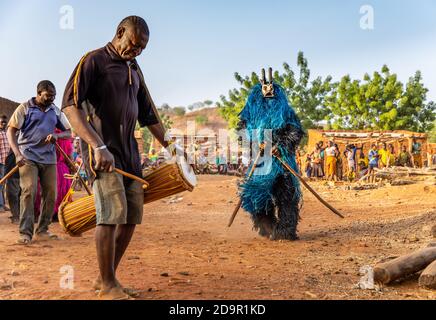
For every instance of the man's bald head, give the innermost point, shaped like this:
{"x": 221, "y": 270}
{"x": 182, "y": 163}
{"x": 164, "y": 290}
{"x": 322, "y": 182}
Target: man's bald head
{"x": 131, "y": 37}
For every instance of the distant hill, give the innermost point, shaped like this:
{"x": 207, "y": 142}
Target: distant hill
{"x": 205, "y": 118}
{"x": 7, "y": 107}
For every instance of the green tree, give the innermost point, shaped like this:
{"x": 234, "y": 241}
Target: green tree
{"x": 380, "y": 102}
{"x": 347, "y": 95}
{"x": 179, "y": 111}
{"x": 196, "y": 105}
{"x": 377, "y": 102}
{"x": 415, "y": 113}
{"x": 165, "y": 107}
{"x": 432, "y": 134}
{"x": 306, "y": 96}
{"x": 146, "y": 134}
{"x": 201, "y": 119}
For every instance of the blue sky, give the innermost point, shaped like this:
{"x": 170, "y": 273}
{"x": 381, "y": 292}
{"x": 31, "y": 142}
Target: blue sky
{"x": 196, "y": 46}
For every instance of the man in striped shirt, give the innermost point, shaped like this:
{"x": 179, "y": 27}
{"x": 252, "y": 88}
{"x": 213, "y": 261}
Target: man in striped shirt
{"x": 4, "y": 151}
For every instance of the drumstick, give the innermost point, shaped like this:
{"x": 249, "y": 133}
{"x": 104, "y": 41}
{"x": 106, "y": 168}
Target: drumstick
{"x": 145, "y": 184}
{"x": 238, "y": 206}
{"x": 72, "y": 164}
{"x": 9, "y": 174}
{"x": 288, "y": 167}
{"x": 128, "y": 175}
{"x": 76, "y": 177}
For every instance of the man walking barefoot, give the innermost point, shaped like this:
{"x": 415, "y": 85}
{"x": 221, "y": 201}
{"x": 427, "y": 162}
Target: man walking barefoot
{"x": 104, "y": 98}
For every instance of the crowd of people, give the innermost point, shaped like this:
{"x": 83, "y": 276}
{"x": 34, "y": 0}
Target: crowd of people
{"x": 220, "y": 163}
{"x": 202, "y": 162}
{"x": 328, "y": 162}
{"x": 325, "y": 161}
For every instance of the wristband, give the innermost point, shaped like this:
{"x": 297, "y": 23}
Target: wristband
{"x": 101, "y": 147}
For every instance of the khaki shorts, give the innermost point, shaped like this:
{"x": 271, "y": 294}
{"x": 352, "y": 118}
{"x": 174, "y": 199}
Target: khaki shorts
{"x": 116, "y": 201}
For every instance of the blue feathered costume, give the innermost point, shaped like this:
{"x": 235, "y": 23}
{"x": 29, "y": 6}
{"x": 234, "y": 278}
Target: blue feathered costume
{"x": 272, "y": 195}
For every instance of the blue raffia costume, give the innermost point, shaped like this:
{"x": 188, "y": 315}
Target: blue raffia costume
{"x": 272, "y": 198}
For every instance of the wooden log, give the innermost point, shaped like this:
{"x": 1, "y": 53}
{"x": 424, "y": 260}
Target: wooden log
{"x": 422, "y": 173}
{"x": 401, "y": 267}
{"x": 428, "y": 277}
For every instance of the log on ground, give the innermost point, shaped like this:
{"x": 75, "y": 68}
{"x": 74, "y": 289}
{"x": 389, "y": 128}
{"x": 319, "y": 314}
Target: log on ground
{"x": 401, "y": 267}
{"x": 428, "y": 277}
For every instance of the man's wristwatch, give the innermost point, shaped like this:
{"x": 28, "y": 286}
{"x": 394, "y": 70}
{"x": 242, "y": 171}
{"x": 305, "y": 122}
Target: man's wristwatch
{"x": 101, "y": 147}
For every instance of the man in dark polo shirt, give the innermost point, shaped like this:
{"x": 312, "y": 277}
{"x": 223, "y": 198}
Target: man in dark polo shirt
{"x": 104, "y": 98}
{"x": 35, "y": 122}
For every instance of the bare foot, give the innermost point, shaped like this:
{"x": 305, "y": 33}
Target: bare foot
{"x": 131, "y": 292}
{"x": 115, "y": 293}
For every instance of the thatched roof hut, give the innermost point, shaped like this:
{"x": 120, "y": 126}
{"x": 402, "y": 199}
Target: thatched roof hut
{"x": 7, "y": 107}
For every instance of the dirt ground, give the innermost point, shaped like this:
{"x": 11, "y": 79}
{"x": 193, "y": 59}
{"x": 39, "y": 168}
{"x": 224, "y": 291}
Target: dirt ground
{"x": 184, "y": 250}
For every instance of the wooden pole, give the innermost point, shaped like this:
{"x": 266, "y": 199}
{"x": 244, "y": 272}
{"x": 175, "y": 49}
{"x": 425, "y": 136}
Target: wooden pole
{"x": 75, "y": 178}
{"x": 73, "y": 165}
{"x": 145, "y": 184}
{"x": 9, "y": 174}
{"x": 238, "y": 206}
{"x": 309, "y": 187}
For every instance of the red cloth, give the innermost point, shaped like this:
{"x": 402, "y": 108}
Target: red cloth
{"x": 62, "y": 168}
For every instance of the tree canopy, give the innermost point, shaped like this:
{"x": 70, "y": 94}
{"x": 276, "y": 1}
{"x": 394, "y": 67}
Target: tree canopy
{"x": 377, "y": 102}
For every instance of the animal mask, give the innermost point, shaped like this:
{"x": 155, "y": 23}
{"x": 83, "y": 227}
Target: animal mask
{"x": 267, "y": 87}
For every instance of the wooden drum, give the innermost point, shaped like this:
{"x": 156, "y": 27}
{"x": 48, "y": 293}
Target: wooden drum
{"x": 78, "y": 216}
{"x": 169, "y": 179}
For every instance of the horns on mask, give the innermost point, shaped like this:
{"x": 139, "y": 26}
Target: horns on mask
{"x": 270, "y": 76}
{"x": 267, "y": 87}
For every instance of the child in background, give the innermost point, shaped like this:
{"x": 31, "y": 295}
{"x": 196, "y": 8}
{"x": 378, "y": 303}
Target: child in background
{"x": 308, "y": 166}
{"x": 373, "y": 157}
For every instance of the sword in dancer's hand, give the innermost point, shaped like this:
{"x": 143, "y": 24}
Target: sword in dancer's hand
{"x": 253, "y": 167}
